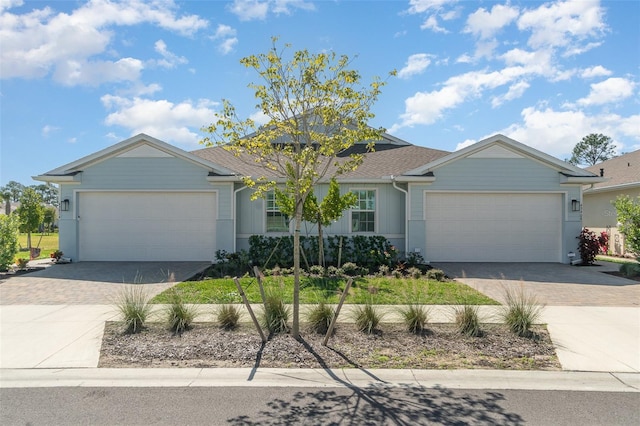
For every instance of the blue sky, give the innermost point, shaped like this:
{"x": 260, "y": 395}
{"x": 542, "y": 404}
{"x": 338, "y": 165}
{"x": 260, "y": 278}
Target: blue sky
{"x": 77, "y": 76}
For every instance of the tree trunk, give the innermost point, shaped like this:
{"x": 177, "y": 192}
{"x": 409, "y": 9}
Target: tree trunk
{"x": 29, "y": 241}
{"x": 295, "y": 330}
{"x": 320, "y": 245}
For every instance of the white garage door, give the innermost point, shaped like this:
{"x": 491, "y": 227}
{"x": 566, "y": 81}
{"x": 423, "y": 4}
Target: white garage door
{"x": 463, "y": 227}
{"x": 147, "y": 226}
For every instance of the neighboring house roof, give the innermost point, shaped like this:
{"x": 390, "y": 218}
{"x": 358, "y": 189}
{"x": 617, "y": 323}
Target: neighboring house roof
{"x": 620, "y": 173}
{"x": 392, "y": 157}
{"x": 140, "y": 144}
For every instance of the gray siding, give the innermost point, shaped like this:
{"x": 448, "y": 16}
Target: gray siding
{"x": 142, "y": 174}
{"x": 495, "y": 175}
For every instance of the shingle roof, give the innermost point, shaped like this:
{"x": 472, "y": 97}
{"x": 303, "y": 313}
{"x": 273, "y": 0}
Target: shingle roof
{"x": 388, "y": 159}
{"x": 622, "y": 170}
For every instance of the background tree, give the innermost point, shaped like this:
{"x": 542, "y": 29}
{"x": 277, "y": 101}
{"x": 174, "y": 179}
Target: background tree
{"x": 15, "y": 189}
{"x": 48, "y": 192}
{"x": 330, "y": 209}
{"x": 8, "y": 240}
{"x": 6, "y": 197}
{"x": 628, "y": 213}
{"x": 49, "y": 219}
{"x": 316, "y": 109}
{"x": 30, "y": 212}
{"x": 593, "y": 149}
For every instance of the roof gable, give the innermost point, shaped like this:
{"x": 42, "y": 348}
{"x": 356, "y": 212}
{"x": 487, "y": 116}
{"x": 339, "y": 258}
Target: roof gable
{"x": 500, "y": 146}
{"x": 140, "y": 146}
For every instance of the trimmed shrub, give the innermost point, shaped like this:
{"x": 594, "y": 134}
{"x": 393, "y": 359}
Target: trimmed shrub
{"x": 133, "y": 305}
{"x": 228, "y": 316}
{"x": 317, "y": 270}
{"x": 436, "y": 275}
{"x": 520, "y": 311}
{"x": 366, "y": 317}
{"x": 414, "y": 272}
{"x": 275, "y": 313}
{"x": 630, "y": 269}
{"x": 179, "y": 315}
{"x": 415, "y": 317}
{"x": 8, "y": 240}
{"x": 467, "y": 320}
{"x": 319, "y": 317}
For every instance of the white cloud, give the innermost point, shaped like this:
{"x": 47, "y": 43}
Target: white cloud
{"x": 416, "y": 64}
{"x": 94, "y": 73}
{"x": 249, "y": 10}
{"x": 41, "y": 41}
{"x": 48, "y": 129}
{"x": 557, "y": 132}
{"x": 227, "y": 37}
{"x": 568, "y": 24}
{"x": 609, "y": 91}
{"x": 515, "y": 91}
{"x": 170, "y": 60}
{"x": 484, "y": 24}
{"x": 431, "y": 23}
{"x": 420, "y": 6}
{"x": 160, "y": 118}
{"x": 597, "y": 71}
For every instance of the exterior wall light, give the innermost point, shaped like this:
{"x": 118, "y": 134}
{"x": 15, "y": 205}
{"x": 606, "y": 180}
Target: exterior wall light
{"x": 64, "y": 206}
{"x": 575, "y": 205}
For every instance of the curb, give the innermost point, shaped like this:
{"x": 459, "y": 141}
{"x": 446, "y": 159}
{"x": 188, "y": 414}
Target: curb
{"x": 320, "y": 378}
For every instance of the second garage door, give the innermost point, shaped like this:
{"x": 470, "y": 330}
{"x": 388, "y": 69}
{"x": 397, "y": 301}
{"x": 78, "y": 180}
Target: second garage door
{"x": 147, "y": 226}
{"x": 496, "y": 227}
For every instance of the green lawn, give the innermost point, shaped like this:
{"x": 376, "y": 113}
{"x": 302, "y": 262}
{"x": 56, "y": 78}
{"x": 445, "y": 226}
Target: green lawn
{"x": 381, "y": 291}
{"x": 48, "y": 244}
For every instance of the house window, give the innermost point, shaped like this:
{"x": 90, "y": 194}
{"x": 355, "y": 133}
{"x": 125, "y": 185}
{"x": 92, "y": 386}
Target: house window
{"x": 363, "y": 215}
{"x": 276, "y": 220}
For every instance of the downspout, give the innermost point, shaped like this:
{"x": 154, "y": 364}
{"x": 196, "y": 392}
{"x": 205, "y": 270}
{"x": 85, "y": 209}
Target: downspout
{"x": 406, "y": 214}
{"x": 233, "y": 213}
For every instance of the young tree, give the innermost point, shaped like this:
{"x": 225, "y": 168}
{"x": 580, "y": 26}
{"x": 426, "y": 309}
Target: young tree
{"x": 316, "y": 109}
{"x": 8, "y": 240}
{"x": 330, "y": 209}
{"x": 593, "y": 149}
{"x": 628, "y": 213}
{"x": 30, "y": 212}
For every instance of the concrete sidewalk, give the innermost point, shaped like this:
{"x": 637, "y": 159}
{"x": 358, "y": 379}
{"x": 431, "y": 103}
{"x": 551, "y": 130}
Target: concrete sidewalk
{"x": 320, "y": 378}
{"x": 605, "y": 339}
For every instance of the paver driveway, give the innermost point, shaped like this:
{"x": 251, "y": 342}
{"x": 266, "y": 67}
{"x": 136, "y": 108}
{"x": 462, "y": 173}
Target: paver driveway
{"x": 554, "y": 284}
{"x": 92, "y": 283}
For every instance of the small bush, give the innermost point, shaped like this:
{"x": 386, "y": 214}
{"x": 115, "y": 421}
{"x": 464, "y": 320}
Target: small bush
{"x": 415, "y": 317}
{"x": 319, "y": 317}
{"x": 398, "y": 273}
{"x": 520, "y": 311}
{"x": 316, "y": 270}
{"x": 383, "y": 270}
{"x": 228, "y": 316}
{"x": 350, "y": 269}
{"x": 630, "y": 269}
{"x": 275, "y": 313}
{"x": 133, "y": 305}
{"x": 589, "y": 247}
{"x": 332, "y": 271}
{"x": 467, "y": 320}
{"x": 366, "y": 317}
{"x": 22, "y": 263}
{"x": 414, "y": 272}
{"x": 179, "y": 315}
{"x": 436, "y": 274}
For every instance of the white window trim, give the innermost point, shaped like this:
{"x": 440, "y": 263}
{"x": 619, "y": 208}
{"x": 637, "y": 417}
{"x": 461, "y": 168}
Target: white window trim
{"x": 265, "y": 210}
{"x": 375, "y": 213}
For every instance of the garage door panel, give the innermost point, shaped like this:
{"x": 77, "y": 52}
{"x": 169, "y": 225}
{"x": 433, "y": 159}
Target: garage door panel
{"x": 147, "y": 226}
{"x": 493, "y": 227}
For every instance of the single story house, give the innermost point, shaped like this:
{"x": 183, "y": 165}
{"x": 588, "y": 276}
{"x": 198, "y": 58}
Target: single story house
{"x": 622, "y": 176}
{"x": 495, "y": 201}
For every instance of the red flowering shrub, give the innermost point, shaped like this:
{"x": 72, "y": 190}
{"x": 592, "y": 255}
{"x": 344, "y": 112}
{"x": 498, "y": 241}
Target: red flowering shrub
{"x": 603, "y": 241}
{"x": 588, "y": 247}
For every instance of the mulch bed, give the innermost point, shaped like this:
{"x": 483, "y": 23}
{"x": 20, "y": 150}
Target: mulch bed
{"x": 438, "y": 347}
